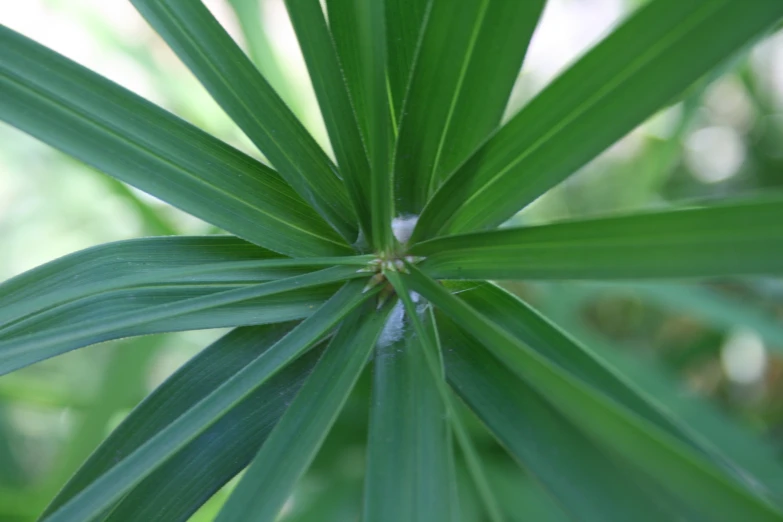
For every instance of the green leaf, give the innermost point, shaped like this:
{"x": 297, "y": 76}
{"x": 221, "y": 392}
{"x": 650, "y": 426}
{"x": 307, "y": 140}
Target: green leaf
{"x": 582, "y": 478}
{"x": 259, "y": 47}
{"x": 121, "y": 134}
{"x": 404, "y": 25}
{"x": 231, "y": 78}
{"x": 674, "y": 466}
{"x": 469, "y": 59}
{"x": 742, "y": 238}
{"x": 643, "y": 65}
{"x": 328, "y": 81}
{"x": 410, "y": 469}
{"x": 430, "y": 345}
{"x": 296, "y": 303}
{"x": 216, "y": 262}
{"x": 224, "y": 449}
{"x": 582, "y": 361}
{"x": 27, "y": 349}
{"x": 127, "y": 473}
{"x": 536, "y": 331}
{"x": 359, "y": 31}
{"x": 296, "y": 438}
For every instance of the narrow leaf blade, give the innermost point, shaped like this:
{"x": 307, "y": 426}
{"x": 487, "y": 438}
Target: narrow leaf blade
{"x": 115, "y": 483}
{"x": 404, "y": 23}
{"x": 470, "y": 56}
{"x": 410, "y": 468}
{"x": 328, "y": 81}
{"x": 293, "y": 443}
{"x": 359, "y": 31}
{"x": 674, "y": 466}
{"x": 235, "y": 83}
{"x": 18, "y": 352}
{"x": 643, "y": 65}
{"x": 245, "y": 426}
{"x": 123, "y": 135}
{"x": 430, "y": 344}
{"x": 742, "y": 238}
{"x": 576, "y": 472}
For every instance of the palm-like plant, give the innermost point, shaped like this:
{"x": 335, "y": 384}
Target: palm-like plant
{"x": 330, "y": 267}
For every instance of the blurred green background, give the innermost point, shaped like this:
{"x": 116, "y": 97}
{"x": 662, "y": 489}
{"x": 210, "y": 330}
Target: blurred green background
{"x": 709, "y": 352}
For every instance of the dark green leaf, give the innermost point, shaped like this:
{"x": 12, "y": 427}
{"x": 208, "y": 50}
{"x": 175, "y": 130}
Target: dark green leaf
{"x": 235, "y": 83}
{"x": 404, "y": 23}
{"x": 224, "y": 449}
{"x": 108, "y": 127}
{"x": 249, "y": 15}
{"x": 643, "y": 65}
{"x": 21, "y": 351}
{"x": 674, "y": 466}
{"x": 328, "y": 80}
{"x": 742, "y": 238}
{"x": 470, "y": 55}
{"x": 430, "y": 345}
{"x": 359, "y": 32}
{"x": 296, "y": 438}
{"x": 577, "y": 473}
{"x": 127, "y": 473}
{"x": 410, "y": 468}
{"x": 210, "y": 263}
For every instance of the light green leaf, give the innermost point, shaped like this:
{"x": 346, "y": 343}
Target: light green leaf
{"x": 674, "y": 466}
{"x": 644, "y": 64}
{"x": 127, "y": 473}
{"x": 328, "y": 81}
{"x": 359, "y": 31}
{"x": 410, "y": 468}
{"x": 741, "y": 238}
{"x": 224, "y": 449}
{"x": 293, "y": 443}
{"x": 470, "y": 56}
{"x": 581, "y": 477}
{"x": 21, "y": 351}
{"x": 121, "y": 134}
{"x": 231, "y": 78}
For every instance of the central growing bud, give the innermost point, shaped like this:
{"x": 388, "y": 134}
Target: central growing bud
{"x": 396, "y": 261}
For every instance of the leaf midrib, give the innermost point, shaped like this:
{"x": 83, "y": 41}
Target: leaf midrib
{"x": 457, "y": 91}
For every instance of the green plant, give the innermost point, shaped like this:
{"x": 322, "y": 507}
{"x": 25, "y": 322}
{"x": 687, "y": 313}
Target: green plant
{"x": 388, "y": 257}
